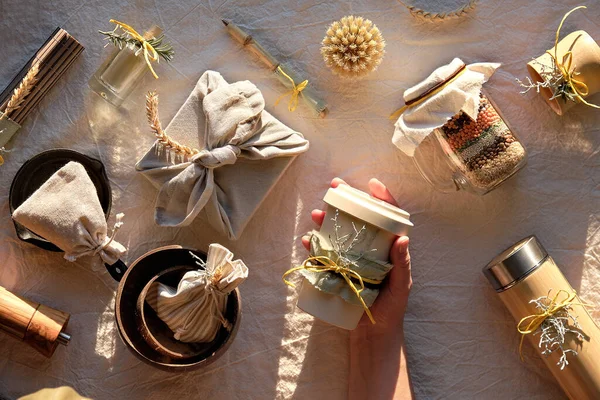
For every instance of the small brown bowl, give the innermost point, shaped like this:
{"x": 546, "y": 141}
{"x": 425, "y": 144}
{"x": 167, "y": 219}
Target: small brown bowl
{"x": 145, "y": 334}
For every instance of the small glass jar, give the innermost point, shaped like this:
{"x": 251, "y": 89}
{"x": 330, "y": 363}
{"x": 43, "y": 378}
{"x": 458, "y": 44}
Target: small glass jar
{"x": 473, "y": 155}
{"x": 119, "y": 75}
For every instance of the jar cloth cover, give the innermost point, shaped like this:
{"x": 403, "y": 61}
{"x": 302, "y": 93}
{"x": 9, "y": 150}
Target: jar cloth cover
{"x": 416, "y": 123}
{"x": 244, "y": 151}
{"x": 454, "y": 132}
{"x": 66, "y": 211}
{"x": 194, "y": 310}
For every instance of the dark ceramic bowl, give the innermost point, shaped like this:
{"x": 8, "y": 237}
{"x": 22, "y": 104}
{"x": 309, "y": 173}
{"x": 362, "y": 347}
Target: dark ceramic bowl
{"x": 38, "y": 169}
{"x": 145, "y": 334}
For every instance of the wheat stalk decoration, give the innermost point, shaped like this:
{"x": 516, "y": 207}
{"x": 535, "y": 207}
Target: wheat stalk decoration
{"x": 435, "y": 16}
{"x": 22, "y": 91}
{"x": 162, "y": 137}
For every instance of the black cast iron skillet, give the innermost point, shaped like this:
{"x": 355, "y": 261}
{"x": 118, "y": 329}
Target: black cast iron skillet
{"x": 37, "y": 170}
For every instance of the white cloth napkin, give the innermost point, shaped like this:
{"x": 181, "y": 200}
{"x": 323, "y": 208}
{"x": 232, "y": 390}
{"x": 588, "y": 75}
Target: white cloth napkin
{"x": 244, "y": 152}
{"x": 413, "y": 126}
{"x": 66, "y": 211}
{"x": 195, "y": 310}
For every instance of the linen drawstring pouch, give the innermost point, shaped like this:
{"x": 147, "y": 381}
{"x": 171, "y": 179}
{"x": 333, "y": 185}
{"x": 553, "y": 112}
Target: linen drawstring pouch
{"x": 195, "y": 310}
{"x": 66, "y": 211}
{"x": 448, "y": 90}
{"x": 244, "y": 151}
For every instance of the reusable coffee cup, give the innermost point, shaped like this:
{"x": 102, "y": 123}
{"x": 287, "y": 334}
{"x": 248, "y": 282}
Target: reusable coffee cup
{"x": 383, "y": 223}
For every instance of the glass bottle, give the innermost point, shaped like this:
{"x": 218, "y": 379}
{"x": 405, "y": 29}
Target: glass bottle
{"x": 524, "y": 273}
{"x": 472, "y": 155}
{"x": 121, "y": 72}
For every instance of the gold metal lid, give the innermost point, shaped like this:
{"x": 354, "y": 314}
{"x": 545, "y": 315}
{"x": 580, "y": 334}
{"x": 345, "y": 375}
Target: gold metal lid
{"x": 515, "y": 263}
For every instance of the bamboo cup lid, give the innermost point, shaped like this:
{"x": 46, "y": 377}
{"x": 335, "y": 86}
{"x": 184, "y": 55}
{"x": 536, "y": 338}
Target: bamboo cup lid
{"x": 369, "y": 209}
{"x": 515, "y": 263}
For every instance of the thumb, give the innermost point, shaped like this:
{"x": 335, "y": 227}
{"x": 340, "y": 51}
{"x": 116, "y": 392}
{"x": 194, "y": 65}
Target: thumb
{"x": 400, "y": 275}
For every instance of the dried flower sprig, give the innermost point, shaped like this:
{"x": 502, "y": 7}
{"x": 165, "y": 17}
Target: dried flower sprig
{"x": 123, "y": 40}
{"x": 162, "y": 137}
{"x": 353, "y": 47}
{"x": 438, "y": 16}
{"x": 552, "y": 79}
{"x": 22, "y": 91}
{"x": 555, "y": 329}
{"x": 340, "y": 244}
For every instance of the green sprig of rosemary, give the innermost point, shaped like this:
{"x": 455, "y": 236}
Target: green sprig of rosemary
{"x": 124, "y": 40}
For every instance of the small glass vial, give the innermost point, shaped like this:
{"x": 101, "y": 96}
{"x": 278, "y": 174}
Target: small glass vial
{"x": 308, "y": 95}
{"x": 121, "y": 72}
{"x": 524, "y": 273}
{"x": 473, "y": 155}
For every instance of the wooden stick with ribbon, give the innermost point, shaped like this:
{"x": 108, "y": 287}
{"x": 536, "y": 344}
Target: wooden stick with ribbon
{"x": 579, "y": 88}
{"x": 326, "y": 264}
{"x": 149, "y": 51}
{"x": 429, "y": 93}
{"x": 295, "y": 92}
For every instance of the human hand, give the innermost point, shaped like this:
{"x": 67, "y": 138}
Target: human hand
{"x": 390, "y": 306}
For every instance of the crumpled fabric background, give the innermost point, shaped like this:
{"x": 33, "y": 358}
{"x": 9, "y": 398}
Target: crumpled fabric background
{"x": 462, "y": 343}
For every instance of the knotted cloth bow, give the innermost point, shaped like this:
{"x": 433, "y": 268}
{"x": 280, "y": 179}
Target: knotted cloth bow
{"x": 149, "y": 51}
{"x": 229, "y": 124}
{"x": 579, "y": 88}
{"x": 295, "y": 92}
{"x": 326, "y": 264}
{"x": 529, "y": 324}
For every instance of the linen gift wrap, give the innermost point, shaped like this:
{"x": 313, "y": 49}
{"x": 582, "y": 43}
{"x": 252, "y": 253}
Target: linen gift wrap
{"x": 350, "y": 252}
{"x": 194, "y": 310}
{"x": 66, "y": 211}
{"x": 244, "y": 150}
{"x": 550, "y": 313}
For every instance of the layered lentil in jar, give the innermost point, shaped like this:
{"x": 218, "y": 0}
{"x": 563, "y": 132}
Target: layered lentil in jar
{"x": 485, "y": 150}
{"x": 454, "y": 133}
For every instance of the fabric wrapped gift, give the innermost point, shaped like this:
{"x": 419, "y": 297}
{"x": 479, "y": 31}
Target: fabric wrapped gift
{"x": 66, "y": 211}
{"x": 333, "y": 283}
{"x": 194, "y": 310}
{"x": 244, "y": 151}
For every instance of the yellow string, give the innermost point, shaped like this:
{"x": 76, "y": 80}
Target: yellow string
{"x": 531, "y": 323}
{"x": 399, "y": 112}
{"x": 327, "y": 264}
{"x": 579, "y": 88}
{"x": 149, "y": 51}
{"x": 295, "y": 92}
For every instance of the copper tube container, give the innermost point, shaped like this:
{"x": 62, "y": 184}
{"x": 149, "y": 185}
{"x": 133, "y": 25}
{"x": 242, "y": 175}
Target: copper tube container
{"x": 38, "y": 325}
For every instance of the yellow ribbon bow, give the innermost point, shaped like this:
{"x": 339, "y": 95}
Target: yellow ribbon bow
{"x": 149, "y": 51}
{"x": 579, "y": 88}
{"x": 325, "y": 264}
{"x": 295, "y": 92}
{"x": 531, "y": 323}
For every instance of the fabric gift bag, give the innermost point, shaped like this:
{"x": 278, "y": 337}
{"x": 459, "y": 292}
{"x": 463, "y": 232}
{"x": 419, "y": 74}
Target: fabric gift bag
{"x": 66, "y": 211}
{"x": 194, "y": 310}
{"x": 244, "y": 152}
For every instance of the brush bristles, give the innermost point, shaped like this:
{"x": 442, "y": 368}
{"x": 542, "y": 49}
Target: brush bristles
{"x": 353, "y": 47}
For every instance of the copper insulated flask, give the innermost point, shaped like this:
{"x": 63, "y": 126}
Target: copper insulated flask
{"x": 525, "y": 272}
{"x": 39, "y": 326}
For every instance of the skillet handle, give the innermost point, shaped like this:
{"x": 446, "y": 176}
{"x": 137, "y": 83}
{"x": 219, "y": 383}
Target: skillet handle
{"x": 117, "y": 270}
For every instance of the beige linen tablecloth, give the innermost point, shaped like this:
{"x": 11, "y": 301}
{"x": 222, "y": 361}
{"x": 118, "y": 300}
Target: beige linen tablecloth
{"x": 462, "y": 344}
